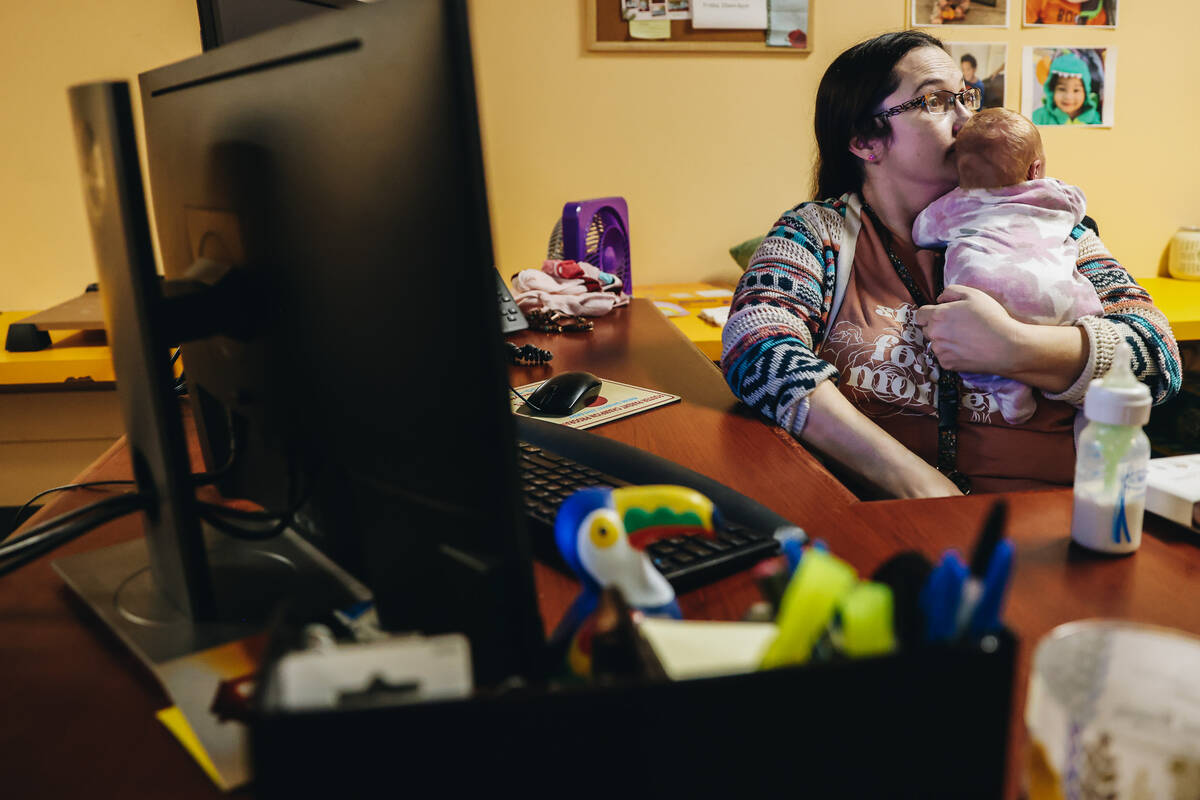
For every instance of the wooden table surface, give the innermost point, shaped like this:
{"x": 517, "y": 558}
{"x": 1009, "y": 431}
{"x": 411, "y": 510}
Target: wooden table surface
{"x": 79, "y": 708}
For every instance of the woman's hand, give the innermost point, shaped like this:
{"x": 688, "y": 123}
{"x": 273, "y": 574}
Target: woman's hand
{"x": 838, "y": 429}
{"x": 969, "y": 331}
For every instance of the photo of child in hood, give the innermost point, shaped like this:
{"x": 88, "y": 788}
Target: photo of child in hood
{"x": 1069, "y": 96}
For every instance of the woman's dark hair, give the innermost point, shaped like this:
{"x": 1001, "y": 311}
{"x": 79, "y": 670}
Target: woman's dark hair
{"x": 849, "y": 96}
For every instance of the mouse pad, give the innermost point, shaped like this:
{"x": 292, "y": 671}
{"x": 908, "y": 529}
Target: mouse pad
{"x": 616, "y": 400}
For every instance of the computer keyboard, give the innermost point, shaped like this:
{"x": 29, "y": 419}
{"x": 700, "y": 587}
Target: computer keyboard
{"x": 554, "y": 461}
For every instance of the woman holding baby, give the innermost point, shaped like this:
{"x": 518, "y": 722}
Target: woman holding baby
{"x": 841, "y": 332}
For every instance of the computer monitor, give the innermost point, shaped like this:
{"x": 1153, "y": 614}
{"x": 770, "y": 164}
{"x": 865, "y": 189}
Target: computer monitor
{"x": 225, "y": 21}
{"x": 319, "y": 197}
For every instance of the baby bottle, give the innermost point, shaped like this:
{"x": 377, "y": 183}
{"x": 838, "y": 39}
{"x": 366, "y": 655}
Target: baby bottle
{"x": 1111, "y": 461}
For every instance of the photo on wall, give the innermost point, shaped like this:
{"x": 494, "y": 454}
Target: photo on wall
{"x": 976, "y": 13}
{"x": 1096, "y": 13}
{"x": 983, "y": 65}
{"x": 1069, "y": 85}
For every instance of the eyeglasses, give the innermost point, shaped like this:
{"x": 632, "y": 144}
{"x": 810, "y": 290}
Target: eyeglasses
{"x": 938, "y": 102}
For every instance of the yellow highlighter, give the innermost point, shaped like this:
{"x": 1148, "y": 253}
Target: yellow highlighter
{"x": 865, "y": 625}
{"x": 807, "y": 606}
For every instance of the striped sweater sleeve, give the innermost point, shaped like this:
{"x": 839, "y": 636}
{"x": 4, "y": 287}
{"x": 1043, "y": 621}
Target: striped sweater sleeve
{"x": 781, "y": 306}
{"x": 1129, "y": 315}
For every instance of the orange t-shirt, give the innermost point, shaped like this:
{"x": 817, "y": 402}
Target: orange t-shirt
{"x": 888, "y": 373}
{"x": 1059, "y": 12}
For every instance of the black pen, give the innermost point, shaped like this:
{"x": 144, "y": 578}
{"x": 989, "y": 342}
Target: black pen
{"x": 981, "y": 557}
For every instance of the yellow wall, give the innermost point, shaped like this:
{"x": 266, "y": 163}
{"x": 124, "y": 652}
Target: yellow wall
{"x": 46, "y": 46}
{"x": 707, "y": 149}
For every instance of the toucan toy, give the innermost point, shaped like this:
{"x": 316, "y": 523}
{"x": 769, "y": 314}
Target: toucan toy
{"x": 602, "y": 535}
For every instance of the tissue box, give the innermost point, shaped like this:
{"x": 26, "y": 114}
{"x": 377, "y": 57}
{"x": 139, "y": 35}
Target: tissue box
{"x": 1173, "y": 489}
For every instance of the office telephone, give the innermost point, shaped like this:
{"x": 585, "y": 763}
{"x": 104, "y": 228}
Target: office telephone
{"x": 511, "y": 318}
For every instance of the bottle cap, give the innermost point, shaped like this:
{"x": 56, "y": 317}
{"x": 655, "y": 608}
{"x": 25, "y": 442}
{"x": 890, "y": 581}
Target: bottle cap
{"x": 1118, "y": 398}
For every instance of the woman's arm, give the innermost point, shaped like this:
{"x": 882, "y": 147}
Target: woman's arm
{"x": 970, "y": 332}
{"x": 780, "y": 308}
{"x": 844, "y": 434}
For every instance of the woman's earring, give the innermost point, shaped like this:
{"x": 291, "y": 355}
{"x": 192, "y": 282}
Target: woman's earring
{"x": 870, "y": 157}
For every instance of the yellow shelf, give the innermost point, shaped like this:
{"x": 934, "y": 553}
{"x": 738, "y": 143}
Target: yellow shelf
{"x": 71, "y": 356}
{"x": 682, "y": 303}
{"x": 1180, "y": 301}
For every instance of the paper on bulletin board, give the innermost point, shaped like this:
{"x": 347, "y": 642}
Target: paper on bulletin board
{"x": 788, "y": 24}
{"x": 616, "y": 400}
{"x": 751, "y": 14}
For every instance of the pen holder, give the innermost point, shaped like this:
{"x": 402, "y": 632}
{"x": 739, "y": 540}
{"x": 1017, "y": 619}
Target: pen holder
{"x": 932, "y": 722}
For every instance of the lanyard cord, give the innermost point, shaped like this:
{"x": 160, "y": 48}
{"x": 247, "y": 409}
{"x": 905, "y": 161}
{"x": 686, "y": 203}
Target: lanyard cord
{"x": 947, "y": 401}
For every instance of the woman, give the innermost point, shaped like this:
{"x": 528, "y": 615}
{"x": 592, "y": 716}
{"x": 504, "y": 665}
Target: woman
{"x": 842, "y": 279}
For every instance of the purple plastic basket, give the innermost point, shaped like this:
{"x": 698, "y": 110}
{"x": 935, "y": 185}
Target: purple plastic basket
{"x": 597, "y": 231}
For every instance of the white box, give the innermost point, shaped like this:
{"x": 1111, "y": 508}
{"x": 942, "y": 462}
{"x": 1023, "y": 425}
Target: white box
{"x": 1173, "y": 489}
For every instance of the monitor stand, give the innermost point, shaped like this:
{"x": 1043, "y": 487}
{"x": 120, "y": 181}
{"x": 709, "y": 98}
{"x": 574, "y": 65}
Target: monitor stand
{"x": 249, "y": 581}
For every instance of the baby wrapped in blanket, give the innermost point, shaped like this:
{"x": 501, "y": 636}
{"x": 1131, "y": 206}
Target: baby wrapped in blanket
{"x": 1007, "y": 232}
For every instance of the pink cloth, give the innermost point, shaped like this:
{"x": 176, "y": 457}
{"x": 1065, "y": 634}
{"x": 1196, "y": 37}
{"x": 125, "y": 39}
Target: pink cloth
{"x": 569, "y": 287}
{"x": 1013, "y": 242}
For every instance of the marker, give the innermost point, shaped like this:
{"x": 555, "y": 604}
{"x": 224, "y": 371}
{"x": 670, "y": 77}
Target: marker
{"x": 941, "y": 595}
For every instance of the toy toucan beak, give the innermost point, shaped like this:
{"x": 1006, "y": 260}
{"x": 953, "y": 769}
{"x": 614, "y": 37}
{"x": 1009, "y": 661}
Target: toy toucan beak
{"x": 650, "y": 513}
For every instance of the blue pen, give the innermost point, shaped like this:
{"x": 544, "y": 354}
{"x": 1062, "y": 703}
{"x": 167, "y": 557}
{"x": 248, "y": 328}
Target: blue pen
{"x": 941, "y": 596}
{"x": 986, "y": 616}
{"x": 981, "y": 559}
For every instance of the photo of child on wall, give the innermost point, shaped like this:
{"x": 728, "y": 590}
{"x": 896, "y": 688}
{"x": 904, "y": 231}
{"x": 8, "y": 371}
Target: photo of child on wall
{"x": 983, "y": 68}
{"x": 1069, "y": 85}
{"x": 977, "y": 13}
{"x": 1100, "y": 13}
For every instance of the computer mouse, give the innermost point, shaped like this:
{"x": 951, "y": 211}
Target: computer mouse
{"x": 564, "y": 394}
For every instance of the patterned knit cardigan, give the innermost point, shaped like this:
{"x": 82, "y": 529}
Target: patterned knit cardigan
{"x": 784, "y": 303}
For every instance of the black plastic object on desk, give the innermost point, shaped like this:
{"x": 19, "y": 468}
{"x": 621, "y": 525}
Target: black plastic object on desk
{"x": 555, "y": 460}
{"x": 511, "y": 318}
{"x": 930, "y": 722}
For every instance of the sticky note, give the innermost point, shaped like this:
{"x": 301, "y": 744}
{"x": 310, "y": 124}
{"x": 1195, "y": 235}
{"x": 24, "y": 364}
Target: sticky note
{"x": 650, "y": 28}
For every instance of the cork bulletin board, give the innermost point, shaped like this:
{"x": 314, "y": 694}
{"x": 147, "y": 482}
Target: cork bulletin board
{"x": 607, "y": 31}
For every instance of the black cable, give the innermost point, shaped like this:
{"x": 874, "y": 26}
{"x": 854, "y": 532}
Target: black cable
{"x": 198, "y": 479}
{"x": 205, "y": 478}
{"x": 65, "y": 517}
{"x": 16, "y": 520}
{"x": 239, "y": 513}
{"x": 242, "y": 532}
{"x": 66, "y": 528}
{"x": 526, "y": 400}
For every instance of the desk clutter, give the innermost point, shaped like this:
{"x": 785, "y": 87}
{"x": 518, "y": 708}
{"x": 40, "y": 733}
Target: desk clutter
{"x": 629, "y": 681}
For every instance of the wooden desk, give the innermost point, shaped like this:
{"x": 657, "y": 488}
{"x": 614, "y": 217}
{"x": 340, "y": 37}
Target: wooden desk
{"x": 79, "y": 709}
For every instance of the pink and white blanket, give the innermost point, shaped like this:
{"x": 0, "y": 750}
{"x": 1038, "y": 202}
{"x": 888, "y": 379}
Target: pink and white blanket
{"x": 1014, "y": 243}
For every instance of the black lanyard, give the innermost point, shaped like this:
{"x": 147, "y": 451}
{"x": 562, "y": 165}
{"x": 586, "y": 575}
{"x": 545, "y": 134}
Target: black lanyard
{"x": 947, "y": 403}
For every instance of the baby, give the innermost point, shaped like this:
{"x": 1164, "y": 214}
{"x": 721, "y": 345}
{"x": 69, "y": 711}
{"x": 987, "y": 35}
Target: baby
{"x": 1006, "y": 231}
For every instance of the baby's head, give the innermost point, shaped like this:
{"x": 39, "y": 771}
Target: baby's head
{"x": 998, "y": 147}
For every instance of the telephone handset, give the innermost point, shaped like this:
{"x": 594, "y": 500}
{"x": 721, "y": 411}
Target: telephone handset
{"x": 511, "y": 318}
